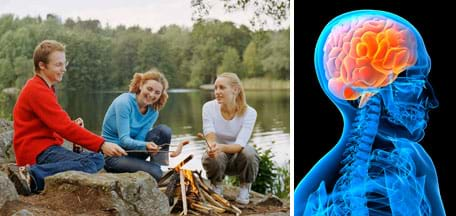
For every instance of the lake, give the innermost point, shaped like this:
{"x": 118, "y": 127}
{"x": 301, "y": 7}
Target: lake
{"x": 183, "y": 114}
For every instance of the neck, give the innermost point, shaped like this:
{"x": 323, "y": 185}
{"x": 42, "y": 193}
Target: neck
{"x": 48, "y": 82}
{"x": 142, "y": 106}
{"x": 228, "y": 108}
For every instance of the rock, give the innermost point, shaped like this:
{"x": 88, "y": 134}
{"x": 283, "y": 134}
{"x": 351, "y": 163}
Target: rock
{"x": 6, "y": 142}
{"x": 12, "y": 91}
{"x": 23, "y": 212}
{"x": 123, "y": 194}
{"x": 270, "y": 200}
{"x": 7, "y": 190}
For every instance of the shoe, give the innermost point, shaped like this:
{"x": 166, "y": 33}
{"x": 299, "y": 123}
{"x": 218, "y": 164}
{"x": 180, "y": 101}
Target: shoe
{"x": 218, "y": 188}
{"x": 244, "y": 193}
{"x": 21, "y": 178}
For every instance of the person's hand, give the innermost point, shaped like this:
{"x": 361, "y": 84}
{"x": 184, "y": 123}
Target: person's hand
{"x": 213, "y": 150}
{"x": 153, "y": 148}
{"x": 112, "y": 149}
{"x": 79, "y": 121}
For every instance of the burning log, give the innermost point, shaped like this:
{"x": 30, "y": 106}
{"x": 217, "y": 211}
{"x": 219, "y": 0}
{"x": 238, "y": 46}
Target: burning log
{"x": 187, "y": 191}
{"x": 183, "y": 190}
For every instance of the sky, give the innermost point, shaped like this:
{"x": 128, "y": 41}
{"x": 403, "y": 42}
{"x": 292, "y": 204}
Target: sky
{"x": 145, "y": 13}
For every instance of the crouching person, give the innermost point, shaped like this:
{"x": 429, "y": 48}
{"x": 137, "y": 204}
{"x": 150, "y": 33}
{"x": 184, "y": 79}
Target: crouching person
{"x": 228, "y": 124}
{"x": 40, "y": 124}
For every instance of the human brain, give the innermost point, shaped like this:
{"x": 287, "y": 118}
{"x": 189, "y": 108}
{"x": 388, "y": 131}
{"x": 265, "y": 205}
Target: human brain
{"x": 366, "y": 53}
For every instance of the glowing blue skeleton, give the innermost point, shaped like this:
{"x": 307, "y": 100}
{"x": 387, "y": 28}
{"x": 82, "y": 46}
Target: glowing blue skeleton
{"x": 377, "y": 167}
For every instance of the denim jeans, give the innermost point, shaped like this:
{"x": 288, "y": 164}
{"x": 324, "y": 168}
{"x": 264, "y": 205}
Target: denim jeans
{"x": 56, "y": 159}
{"x": 134, "y": 162}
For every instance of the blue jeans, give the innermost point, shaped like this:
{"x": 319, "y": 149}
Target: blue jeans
{"x": 134, "y": 162}
{"x": 56, "y": 159}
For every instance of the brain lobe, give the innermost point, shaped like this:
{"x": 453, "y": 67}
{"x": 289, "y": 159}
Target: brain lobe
{"x": 366, "y": 53}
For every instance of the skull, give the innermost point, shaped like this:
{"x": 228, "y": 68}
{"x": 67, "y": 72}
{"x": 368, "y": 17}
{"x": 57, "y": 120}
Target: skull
{"x": 364, "y": 53}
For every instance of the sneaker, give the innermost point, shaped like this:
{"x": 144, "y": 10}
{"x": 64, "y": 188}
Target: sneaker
{"x": 218, "y": 188}
{"x": 244, "y": 192}
{"x": 21, "y": 178}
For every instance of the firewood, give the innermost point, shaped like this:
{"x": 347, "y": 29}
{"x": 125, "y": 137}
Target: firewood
{"x": 174, "y": 170}
{"x": 200, "y": 191}
{"x": 201, "y": 208}
{"x": 183, "y": 191}
{"x": 171, "y": 188}
{"x": 193, "y": 212}
{"x": 211, "y": 200}
{"x": 215, "y": 208}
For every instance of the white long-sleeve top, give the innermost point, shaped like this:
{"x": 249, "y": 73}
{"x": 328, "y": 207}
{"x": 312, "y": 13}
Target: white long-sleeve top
{"x": 235, "y": 131}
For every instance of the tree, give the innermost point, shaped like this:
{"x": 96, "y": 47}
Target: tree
{"x": 251, "y": 61}
{"x": 7, "y": 75}
{"x": 276, "y": 55}
{"x": 277, "y": 10}
{"x": 23, "y": 68}
{"x": 231, "y": 63}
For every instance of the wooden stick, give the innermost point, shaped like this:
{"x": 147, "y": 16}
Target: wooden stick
{"x": 215, "y": 208}
{"x": 212, "y": 193}
{"x": 201, "y": 136}
{"x": 211, "y": 200}
{"x": 201, "y": 208}
{"x": 174, "y": 170}
{"x": 193, "y": 212}
{"x": 200, "y": 191}
{"x": 183, "y": 191}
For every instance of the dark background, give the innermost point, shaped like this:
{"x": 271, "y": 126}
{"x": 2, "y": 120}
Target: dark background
{"x": 318, "y": 123}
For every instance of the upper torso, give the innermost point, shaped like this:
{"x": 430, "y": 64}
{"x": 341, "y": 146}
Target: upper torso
{"x": 235, "y": 131}
{"x": 125, "y": 125}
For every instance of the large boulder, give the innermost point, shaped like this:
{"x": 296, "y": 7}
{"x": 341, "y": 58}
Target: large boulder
{"x": 6, "y": 142}
{"x": 121, "y": 194}
{"x": 7, "y": 190}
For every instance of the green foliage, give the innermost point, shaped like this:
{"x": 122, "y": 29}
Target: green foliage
{"x": 23, "y": 69}
{"x": 105, "y": 58}
{"x": 7, "y": 76}
{"x": 264, "y": 10}
{"x": 266, "y": 174}
{"x": 270, "y": 179}
{"x": 252, "y": 61}
{"x": 231, "y": 63}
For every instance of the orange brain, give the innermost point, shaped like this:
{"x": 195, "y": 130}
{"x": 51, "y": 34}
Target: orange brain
{"x": 366, "y": 53}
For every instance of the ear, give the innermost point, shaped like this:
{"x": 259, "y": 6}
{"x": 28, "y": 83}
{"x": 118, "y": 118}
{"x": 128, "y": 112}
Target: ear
{"x": 41, "y": 65}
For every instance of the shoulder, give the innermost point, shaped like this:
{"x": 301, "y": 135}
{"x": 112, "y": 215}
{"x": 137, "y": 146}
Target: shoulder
{"x": 124, "y": 98}
{"x": 251, "y": 111}
{"x": 35, "y": 88}
{"x": 210, "y": 104}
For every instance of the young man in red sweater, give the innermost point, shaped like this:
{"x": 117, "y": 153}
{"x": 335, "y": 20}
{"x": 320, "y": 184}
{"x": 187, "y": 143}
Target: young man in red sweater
{"x": 40, "y": 124}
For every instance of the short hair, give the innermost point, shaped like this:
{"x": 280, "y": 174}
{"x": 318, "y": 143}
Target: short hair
{"x": 140, "y": 78}
{"x": 43, "y": 50}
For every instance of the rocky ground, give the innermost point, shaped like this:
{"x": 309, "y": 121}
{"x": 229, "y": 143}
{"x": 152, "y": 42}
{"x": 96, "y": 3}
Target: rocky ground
{"x": 76, "y": 193}
{"x": 67, "y": 204}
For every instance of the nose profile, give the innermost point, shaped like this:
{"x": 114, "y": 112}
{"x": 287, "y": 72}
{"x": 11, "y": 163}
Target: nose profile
{"x": 431, "y": 99}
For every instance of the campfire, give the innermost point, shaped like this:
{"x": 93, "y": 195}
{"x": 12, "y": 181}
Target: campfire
{"x": 187, "y": 191}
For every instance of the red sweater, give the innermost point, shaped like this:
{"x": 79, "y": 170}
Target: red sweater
{"x": 40, "y": 122}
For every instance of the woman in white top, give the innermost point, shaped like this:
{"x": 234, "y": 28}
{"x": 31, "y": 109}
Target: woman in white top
{"x": 228, "y": 124}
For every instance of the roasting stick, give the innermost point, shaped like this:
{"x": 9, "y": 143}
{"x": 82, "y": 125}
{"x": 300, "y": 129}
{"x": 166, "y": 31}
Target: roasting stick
{"x": 174, "y": 153}
{"x": 201, "y": 136}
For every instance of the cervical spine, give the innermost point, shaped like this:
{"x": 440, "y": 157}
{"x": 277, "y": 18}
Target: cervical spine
{"x": 372, "y": 182}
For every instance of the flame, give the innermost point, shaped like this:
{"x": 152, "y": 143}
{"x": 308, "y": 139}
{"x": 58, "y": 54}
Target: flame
{"x": 189, "y": 177}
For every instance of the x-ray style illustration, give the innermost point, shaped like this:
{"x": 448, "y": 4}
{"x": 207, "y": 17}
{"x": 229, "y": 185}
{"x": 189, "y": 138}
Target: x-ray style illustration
{"x": 373, "y": 65}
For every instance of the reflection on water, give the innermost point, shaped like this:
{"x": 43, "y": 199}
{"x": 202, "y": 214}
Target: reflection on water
{"x": 183, "y": 114}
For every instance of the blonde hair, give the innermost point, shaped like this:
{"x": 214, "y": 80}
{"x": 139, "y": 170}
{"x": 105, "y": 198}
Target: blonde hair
{"x": 140, "y": 78}
{"x": 43, "y": 50}
{"x": 234, "y": 81}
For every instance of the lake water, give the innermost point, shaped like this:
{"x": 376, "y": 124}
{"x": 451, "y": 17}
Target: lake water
{"x": 183, "y": 114}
